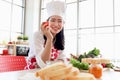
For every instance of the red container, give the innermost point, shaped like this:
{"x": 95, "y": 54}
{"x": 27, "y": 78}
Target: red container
{"x": 5, "y": 52}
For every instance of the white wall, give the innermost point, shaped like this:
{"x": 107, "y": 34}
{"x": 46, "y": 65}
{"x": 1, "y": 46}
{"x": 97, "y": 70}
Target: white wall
{"x": 32, "y": 17}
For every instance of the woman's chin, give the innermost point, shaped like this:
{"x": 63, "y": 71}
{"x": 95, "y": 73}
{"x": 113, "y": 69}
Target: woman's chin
{"x": 55, "y": 32}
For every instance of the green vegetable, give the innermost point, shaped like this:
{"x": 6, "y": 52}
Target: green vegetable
{"x": 79, "y": 65}
{"x": 75, "y": 63}
{"x": 109, "y": 65}
{"x": 95, "y": 52}
{"x": 84, "y": 66}
{"x": 90, "y": 55}
{"x": 80, "y": 57}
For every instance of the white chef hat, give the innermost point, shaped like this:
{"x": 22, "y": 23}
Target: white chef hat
{"x": 56, "y": 8}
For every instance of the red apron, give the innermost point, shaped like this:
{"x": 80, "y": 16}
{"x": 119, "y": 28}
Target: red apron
{"x": 32, "y": 64}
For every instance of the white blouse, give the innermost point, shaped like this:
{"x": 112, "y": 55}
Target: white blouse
{"x": 37, "y": 47}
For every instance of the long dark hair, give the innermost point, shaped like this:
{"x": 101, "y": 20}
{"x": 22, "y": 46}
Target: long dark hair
{"x": 60, "y": 39}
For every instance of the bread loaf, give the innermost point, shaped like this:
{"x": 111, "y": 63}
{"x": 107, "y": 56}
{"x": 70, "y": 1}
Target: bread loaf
{"x": 73, "y": 72}
{"x": 50, "y": 68}
{"x": 54, "y": 70}
{"x": 95, "y": 60}
{"x": 60, "y": 71}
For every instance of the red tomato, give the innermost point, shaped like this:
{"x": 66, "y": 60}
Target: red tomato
{"x": 46, "y": 23}
{"x": 103, "y": 65}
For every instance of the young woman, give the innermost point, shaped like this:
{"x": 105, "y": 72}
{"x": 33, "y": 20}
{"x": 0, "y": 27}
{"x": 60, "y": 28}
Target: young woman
{"x": 48, "y": 42}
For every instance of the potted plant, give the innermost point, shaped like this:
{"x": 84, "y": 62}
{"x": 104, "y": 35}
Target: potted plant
{"x": 19, "y": 38}
{"x": 25, "y": 38}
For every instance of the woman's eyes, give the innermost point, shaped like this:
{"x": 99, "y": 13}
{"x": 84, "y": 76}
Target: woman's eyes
{"x": 52, "y": 20}
{"x": 56, "y": 20}
{"x": 59, "y": 21}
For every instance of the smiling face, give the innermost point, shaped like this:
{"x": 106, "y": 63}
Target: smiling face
{"x": 56, "y": 24}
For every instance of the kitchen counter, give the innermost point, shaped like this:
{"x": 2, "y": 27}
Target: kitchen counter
{"x": 29, "y": 75}
{"x": 110, "y": 75}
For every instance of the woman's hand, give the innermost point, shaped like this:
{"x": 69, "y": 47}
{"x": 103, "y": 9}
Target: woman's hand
{"x": 46, "y": 30}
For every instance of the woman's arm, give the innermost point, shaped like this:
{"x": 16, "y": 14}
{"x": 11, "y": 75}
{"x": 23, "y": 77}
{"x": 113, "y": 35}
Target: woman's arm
{"x": 47, "y": 50}
{"x": 46, "y": 54}
{"x": 42, "y": 53}
{"x": 40, "y": 50}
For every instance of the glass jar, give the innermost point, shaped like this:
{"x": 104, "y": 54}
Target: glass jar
{"x": 96, "y": 70}
{"x": 10, "y": 49}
